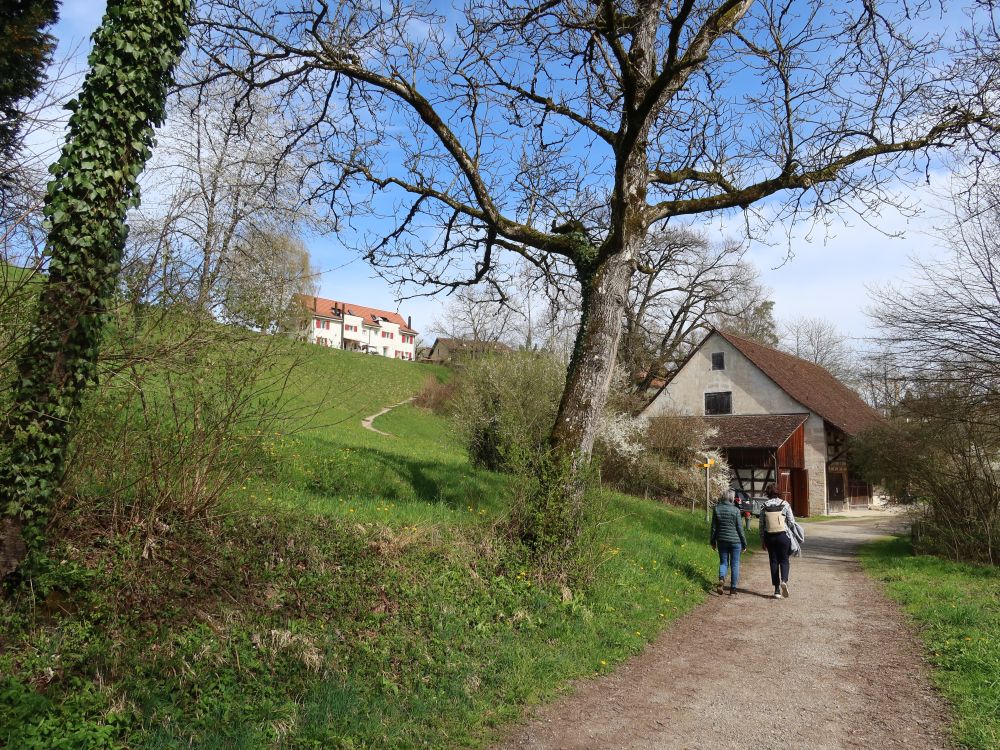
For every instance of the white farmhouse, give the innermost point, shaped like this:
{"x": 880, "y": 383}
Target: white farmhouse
{"x": 777, "y": 418}
{"x": 345, "y": 325}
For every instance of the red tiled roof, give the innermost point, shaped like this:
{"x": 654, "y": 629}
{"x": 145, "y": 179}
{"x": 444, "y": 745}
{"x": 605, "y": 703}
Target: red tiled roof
{"x": 333, "y": 309}
{"x": 810, "y": 385}
{"x": 655, "y": 383}
{"x": 752, "y": 430}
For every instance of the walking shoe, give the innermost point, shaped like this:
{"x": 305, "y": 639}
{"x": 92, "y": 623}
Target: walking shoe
{"x": 784, "y": 589}
{"x": 720, "y": 589}
{"x": 733, "y": 592}
{"x": 777, "y": 594}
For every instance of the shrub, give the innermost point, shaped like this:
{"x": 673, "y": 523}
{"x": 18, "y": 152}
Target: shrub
{"x": 436, "y": 396}
{"x": 182, "y": 411}
{"x": 940, "y": 456}
{"x": 553, "y": 513}
{"x": 505, "y": 405}
{"x": 660, "y": 457}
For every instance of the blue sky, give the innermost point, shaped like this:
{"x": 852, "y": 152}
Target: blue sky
{"x": 826, "y": 276}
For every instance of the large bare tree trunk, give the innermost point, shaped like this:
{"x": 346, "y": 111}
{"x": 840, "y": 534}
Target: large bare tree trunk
{"x": 605, "y": 287}
{"x": 605, "y": 282}
{"x": 592, "y": 364}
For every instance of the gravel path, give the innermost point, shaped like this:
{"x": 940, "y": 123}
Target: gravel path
{"x": 368, "y": 422}
{"x": 834, "y": 666}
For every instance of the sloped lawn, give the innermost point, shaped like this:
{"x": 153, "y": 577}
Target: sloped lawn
{"x": 352, "y": 593}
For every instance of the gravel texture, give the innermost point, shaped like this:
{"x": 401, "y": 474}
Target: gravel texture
{"x": 833, "y": 666}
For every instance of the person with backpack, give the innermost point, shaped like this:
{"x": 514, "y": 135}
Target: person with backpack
{"x": 780, "y": 535}
{"x": 727, "y": 537}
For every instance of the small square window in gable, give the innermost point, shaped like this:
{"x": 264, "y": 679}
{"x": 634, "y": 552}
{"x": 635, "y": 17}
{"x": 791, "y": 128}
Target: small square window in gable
{"x": 719, "y": 403}
{"x": 718, "y": 360}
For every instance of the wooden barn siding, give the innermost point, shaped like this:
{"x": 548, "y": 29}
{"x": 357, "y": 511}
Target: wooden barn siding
{"x": 750, "y": 457}
{"x": 792, "y": 455}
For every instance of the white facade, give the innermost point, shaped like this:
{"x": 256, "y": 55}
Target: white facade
{"x": 350, "y": 327}
{"x": 752, "y": 392}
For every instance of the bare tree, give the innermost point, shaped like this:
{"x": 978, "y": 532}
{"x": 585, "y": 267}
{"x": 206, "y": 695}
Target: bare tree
{"x": 24, "y": 169}
{"x": 755, "y": 322}
{"x": 880, "y": 380}
{"x": 476, "y": 314}
{"x": 261, "y": 288}
{"x": 684, "y": 283}
{"x": 498, "y": 129}
{"x": 941, "y": 333}
{"x": 223, "y": 208}
{"x": 819, "y": 341}
{"x": 943, "y": 327}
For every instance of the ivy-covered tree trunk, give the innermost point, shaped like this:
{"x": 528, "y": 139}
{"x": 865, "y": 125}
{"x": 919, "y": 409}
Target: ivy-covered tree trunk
{"x": 109, "y": 141}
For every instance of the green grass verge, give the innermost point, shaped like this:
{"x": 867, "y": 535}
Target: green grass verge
{"x": 956, "y": 608}
{"x": 352, "y": 593}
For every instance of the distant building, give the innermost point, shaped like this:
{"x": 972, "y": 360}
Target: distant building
{"x": 445, "y": 351}
{"x": 356, "y": 328}
{"x": 777, "y": 418}
{"x": 656, "y": 383}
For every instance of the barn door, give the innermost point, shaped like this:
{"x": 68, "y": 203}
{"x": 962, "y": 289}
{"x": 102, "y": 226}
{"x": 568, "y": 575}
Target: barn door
{"x": 835, "y": 492}
{"x": 793, "y": 486}
{"x": 800, "y": 492}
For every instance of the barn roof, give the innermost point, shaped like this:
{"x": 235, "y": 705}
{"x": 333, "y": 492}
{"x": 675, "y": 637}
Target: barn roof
{"x": 752, "y": 430}
{"x": 809, "y": 384}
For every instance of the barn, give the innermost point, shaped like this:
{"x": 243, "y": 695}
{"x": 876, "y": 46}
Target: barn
{"x": 776, "y": 418}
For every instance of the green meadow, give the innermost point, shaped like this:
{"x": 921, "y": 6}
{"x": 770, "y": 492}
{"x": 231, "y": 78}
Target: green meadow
{"x": 353, "y": 591}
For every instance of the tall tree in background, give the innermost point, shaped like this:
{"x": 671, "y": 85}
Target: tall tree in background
{"x": 501, "y": 132}
{"x": 683, "y": 283}
{"x": 756, "y": 322}
{"x": 880, "y": 381}
{"x": 941, "y": 333}
{"x": 226, "y": 206}
{"x": 109, "y": 141}
{"x": 477, "y": 315}
{"x": 944, "y": 327}
{"x": 25, "y": 51}
{"x": 819, "y": 341}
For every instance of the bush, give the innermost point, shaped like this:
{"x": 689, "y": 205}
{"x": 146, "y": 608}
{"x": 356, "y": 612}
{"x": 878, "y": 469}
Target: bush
{"x": 941, "y": 457}
{"x": 436, "y": 396}
{"x": 182, "y": 411}
{"x": 659, "y": 457}
{"x": 505, "y": 405}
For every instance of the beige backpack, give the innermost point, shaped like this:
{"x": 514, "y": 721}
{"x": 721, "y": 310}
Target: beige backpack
{"x": 774, "y": 520}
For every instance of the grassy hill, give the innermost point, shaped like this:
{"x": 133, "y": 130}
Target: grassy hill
{"x": 351, "y": 593}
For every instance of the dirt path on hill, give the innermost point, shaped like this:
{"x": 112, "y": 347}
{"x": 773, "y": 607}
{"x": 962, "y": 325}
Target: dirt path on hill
{"x": 368, "y": 422}
{"x": 833, "y": 666}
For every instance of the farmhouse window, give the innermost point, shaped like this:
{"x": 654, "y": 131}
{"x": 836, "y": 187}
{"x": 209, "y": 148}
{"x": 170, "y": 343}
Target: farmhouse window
{"x": 719, "y": 361}
{"x": 719, "y": 403}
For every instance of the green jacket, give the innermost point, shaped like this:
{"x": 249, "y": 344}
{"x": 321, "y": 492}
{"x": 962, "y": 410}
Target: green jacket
{"x": 727, "y": 526}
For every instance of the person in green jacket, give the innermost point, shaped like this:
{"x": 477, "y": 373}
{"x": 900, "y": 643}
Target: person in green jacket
{"x": 727, "y": 537}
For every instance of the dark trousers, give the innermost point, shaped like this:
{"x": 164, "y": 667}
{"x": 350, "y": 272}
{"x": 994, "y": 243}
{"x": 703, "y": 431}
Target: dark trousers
{"x": 779, "y": 547}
